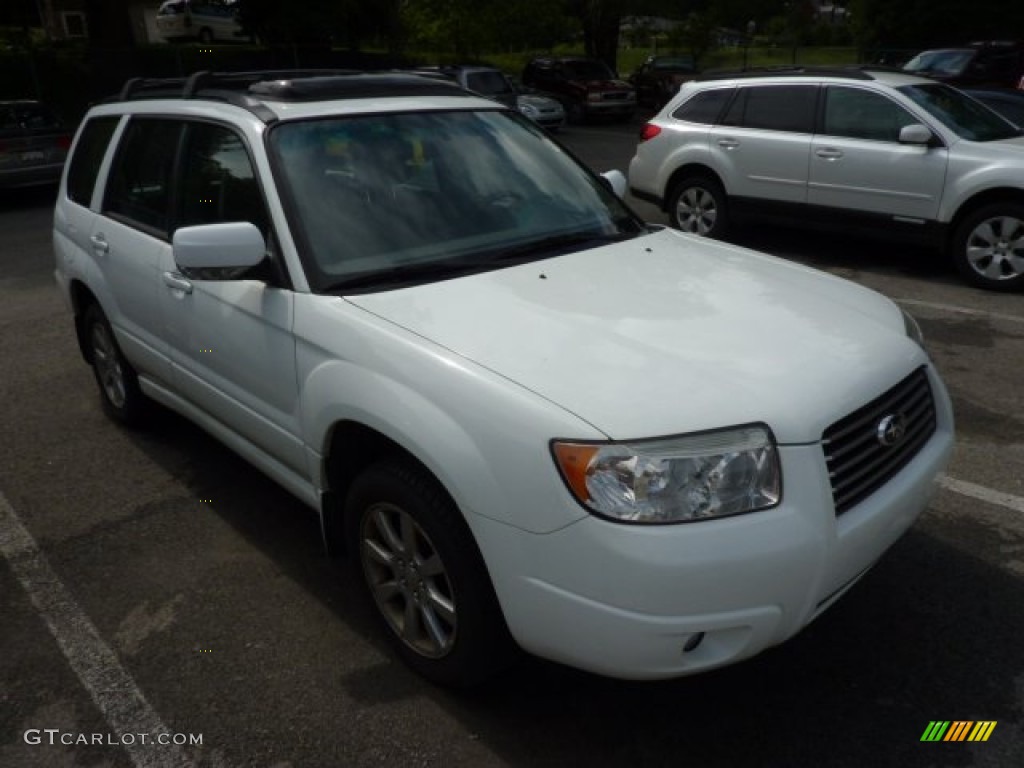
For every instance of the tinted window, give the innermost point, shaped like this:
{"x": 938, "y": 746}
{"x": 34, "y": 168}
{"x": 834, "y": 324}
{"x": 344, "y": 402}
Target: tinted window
{"x": 776, "y": 108}
{"x": 861, "y": 114}
{"x": 585, "y": 69}
{"x": 488, "y": 82}
{"x": 704, "y": 107}
{"x": 89, "y": 152}
{"x": 218, "y": 183}
{"x": 140, "y": 181}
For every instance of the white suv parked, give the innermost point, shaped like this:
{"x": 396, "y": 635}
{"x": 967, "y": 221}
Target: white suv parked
{"x": 532, "y": 419}
{"x": 870, "y": 151}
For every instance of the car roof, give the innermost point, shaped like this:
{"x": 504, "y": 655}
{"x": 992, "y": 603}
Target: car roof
{"x": 886, "y": 76}
{"x": 271, "y": 95}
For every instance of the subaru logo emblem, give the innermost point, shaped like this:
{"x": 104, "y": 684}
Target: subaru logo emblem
{"x": 891, "y": 429}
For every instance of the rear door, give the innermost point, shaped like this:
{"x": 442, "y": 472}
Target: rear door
{"x": 858, "y": 163}
{"x": 131, "y": 237}
{"x": 763, "y": 141}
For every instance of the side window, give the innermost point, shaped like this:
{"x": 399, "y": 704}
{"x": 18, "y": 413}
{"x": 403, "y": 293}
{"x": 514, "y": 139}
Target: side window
{"x": 860, "y": 114}
{"x": 218, "y": 183}
{"x": 89, "y": 152}
{"x": 705, "y": 107}
{"x": 780, "y": 108}
{"x": 140, "y": 181}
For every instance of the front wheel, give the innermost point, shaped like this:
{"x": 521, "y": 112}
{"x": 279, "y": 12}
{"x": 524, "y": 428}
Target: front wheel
{"x": 988, "y": 247}
{"x": 425, "y": 576}
{"x": 697, "y": 205}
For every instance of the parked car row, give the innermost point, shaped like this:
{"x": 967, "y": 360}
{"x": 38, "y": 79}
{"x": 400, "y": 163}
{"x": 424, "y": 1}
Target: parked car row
{"x": 870, "y": 151}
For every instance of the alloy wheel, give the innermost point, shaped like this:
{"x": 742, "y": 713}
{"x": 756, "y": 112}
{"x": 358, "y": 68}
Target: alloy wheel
{"x": 408, "y": 580}
{"x": 696, "y": 211}
{"x": 108, "y": 366}
{"x": 995, "y": 248}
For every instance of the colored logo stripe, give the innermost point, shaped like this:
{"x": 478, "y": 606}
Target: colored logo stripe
{"x": 982, "y": 730}
{"x": 935, "y": 731}
{"x": 958, "y": 730}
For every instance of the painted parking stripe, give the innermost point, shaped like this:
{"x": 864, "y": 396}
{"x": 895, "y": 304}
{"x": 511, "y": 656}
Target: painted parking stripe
{"x": 982, "y": 493}
{"x": 960, "y": 310}
{"x": 113, "y": 690}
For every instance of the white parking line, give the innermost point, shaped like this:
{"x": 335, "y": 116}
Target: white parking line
{"x": 960, "y": 310}
{"x": 982, "y": 493}
{"x": 111, "y": 687}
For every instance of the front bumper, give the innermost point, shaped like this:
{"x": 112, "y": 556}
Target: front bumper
{"x": 632, "y": 601}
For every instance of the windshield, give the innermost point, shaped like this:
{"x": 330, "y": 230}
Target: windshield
{"x": 966, "y": 117}
{"x": 587, "y": 70}
{"x": 939, "y": 62}
{"x": 436, "y": 194}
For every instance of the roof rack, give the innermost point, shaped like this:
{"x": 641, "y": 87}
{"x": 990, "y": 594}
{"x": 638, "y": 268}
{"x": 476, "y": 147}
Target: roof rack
{"x": 250, "y": 90}
{"x": 852, "y": 72}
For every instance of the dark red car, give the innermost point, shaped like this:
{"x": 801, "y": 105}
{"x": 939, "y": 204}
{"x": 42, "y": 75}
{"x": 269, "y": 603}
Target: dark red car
{"x": 587, "y": 88}
{"x": 658, "y": 79}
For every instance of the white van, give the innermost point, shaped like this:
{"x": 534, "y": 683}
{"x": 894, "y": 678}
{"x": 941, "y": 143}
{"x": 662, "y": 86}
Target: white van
{"x": 204, "y": 20}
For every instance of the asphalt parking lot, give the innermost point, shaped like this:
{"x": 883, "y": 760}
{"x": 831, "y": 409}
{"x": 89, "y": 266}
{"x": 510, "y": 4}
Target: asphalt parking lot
{"x": 153, "y": 583}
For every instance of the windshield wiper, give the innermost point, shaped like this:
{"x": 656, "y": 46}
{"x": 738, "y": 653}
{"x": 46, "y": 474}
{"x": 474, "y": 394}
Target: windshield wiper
{"x": 401, "y": 274}
{"x": 557, "y": 244}
{"x": 408, "y": 274}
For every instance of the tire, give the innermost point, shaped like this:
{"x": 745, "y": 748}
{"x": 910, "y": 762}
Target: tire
{"x": 118, "y": 383}
{"x": 424, "y": 576}
{"x": 698, "y": 205}
{"x": 988, "y": 247}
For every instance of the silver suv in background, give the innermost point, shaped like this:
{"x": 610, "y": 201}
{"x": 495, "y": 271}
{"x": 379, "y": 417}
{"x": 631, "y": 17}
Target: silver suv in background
{"x": 868, "y": 151}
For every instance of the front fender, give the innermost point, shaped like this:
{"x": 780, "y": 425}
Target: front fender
{"x": 484, "y": 438}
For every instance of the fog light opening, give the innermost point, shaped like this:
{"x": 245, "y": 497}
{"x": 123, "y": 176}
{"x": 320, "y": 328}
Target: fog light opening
{"x": 692, "y": 642}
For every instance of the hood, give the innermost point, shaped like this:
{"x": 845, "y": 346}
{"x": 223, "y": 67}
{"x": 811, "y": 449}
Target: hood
{"x": 667, "y": 334}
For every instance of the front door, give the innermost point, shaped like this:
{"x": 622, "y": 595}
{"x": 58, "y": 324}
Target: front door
{"x": 858, "y": 163}
{"x": 231, "y": 335}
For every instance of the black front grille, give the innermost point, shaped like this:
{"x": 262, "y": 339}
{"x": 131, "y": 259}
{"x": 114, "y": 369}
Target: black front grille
{"x": 859, "y": 462}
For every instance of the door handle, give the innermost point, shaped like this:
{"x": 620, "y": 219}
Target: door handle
{"x": 828, "y": 153}
{"x": 177, "y": 282}
{"x": 100, "y": 246}
{"x": 728, "y": 143}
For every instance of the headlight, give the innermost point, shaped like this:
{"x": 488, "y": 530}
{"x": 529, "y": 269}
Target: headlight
{"x": 529, "y": 110}
{"x": 913, "y": 329}
{"x": 674, "y": 480}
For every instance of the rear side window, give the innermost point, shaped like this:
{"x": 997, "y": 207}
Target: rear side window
{"x": 774, "y": 108}
{"x": 89, "y": 153}
{"x": 140, "y": 181}
{"x": 705, "y": 107}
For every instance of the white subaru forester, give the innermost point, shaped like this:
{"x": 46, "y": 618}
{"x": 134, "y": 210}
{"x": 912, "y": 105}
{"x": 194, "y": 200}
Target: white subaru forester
{"x": 530, "y": 418}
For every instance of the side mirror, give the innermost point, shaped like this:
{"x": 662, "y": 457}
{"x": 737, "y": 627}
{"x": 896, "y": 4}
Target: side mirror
{"x": 616, "y": 182}
{"x": 915, "y": 133}
{"x": 236, "y": 245}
